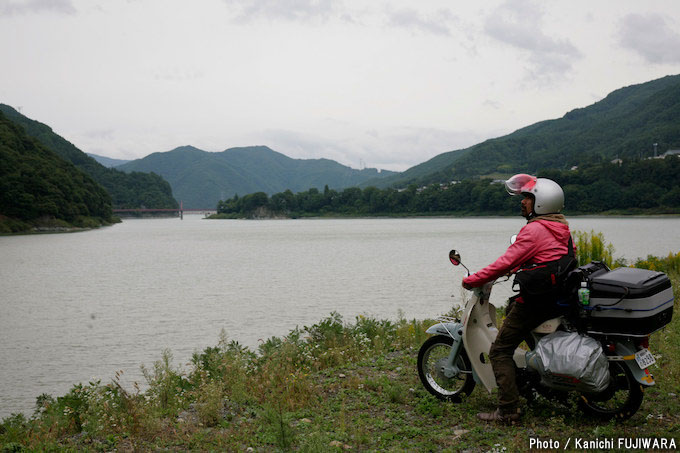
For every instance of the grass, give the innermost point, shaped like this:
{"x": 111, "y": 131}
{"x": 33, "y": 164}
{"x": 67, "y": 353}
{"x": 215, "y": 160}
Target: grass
{"x": 332, "y": 386}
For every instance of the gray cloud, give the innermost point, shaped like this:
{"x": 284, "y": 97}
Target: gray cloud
{"x": 14, "y": 7}
{"x": 651, "y": 37}
{"x": 437, "y": 24}
{"x": 518, "y": 24}
{"x": 289, "y": 10}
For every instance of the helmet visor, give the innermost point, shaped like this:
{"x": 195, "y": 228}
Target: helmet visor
{"x": 520, "y": 183}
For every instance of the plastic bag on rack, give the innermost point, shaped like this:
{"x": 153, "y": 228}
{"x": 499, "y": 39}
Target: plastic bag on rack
{"x": 571, "y": 361}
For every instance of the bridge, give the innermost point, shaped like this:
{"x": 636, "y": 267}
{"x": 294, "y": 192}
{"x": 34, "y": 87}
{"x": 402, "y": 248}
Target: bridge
{"x": 179, "y": 211}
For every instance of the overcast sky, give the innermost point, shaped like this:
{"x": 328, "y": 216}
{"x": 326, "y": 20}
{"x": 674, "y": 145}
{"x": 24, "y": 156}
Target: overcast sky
{"x": 385, "y": 84}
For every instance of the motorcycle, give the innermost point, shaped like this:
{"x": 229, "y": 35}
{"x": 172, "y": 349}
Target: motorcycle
{"x": 626, "y": 306}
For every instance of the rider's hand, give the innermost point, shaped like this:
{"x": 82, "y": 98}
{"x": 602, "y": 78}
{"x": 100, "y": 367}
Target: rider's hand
{"x": 466, "y": 286}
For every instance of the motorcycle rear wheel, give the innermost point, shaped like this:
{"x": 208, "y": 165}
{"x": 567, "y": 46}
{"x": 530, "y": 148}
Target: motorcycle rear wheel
{"x": 619, "y": 401}
{"x": 432, "y": 355}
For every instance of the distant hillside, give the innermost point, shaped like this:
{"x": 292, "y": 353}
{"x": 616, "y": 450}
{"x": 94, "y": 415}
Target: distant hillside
{"x": 201, "y": 179}
{"x": 107, "y": 161}
{"x": 421, "y": 172}
{"x": 37, "y": 186}
{"x": 126, "y": 190}
{"x": 625, "y": 124}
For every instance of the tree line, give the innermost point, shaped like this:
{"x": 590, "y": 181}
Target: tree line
{"x": 35, "y": 184}
{"x": 644, "y": 186}
{"x": 132, "y": 190}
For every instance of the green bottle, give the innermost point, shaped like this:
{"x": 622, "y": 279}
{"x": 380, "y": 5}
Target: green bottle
{"x": 584, "y": 294}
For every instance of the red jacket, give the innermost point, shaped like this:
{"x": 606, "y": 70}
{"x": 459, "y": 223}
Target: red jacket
{"x": 537, "y": 242}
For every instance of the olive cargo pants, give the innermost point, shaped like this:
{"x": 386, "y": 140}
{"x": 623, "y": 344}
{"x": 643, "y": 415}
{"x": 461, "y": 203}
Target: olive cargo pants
{"x": 520, "y": 321}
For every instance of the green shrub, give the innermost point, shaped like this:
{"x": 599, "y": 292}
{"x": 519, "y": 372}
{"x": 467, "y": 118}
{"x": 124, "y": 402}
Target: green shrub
{"x": 277, "y": 427}
{"x": 86, "y": 222}
{"x": 669, "y": 264}
{"x": 8, "y": 225}
{"x": 381, "y": 334}
{"x": 328, "y": 332}
{"x": 210, "y": 402}
{"x": 592, "y": 247}
{"x": 13, "y": 447}
{"x": 167, "y": 386}
{"x": 13, "y": 430}
{"x": 112, "y": 409}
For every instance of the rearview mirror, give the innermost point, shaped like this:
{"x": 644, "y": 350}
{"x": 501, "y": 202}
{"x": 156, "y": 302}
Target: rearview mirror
{"x": 454, "y": 257}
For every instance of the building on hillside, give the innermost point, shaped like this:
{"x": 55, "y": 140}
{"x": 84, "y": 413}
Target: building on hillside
{"x": 670, "y": 152}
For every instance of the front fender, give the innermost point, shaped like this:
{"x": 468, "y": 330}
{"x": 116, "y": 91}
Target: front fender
{"x": 450, "y": 329}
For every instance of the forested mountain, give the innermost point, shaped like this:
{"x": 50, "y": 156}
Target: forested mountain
{"x": 625, "y": 124}
{"x": 127, "y": 190}
{"x": 37, "y": 186}
{"x": 200, "y": 179}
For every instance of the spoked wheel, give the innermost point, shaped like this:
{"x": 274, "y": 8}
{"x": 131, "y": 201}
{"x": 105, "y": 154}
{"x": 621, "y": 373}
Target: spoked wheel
{"x": 439, "y": 378}
{"x": 619, "y": 401}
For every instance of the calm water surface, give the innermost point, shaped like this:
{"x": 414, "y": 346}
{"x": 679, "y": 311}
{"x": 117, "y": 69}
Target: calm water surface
{"x": 82, "y": 306}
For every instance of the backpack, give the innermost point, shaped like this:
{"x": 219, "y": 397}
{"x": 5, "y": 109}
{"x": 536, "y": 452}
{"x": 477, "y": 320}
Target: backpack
{"x": 541, "y": 280}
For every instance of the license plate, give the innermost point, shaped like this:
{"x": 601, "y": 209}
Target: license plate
{"x": 644, "y": 358}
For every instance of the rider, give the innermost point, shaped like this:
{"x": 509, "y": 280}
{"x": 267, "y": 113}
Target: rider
{"x": 543, "y": 239}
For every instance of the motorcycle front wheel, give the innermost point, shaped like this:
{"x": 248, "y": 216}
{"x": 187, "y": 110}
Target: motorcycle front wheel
{"x": 432, "y": 359}
{"x": 619, "y": 401}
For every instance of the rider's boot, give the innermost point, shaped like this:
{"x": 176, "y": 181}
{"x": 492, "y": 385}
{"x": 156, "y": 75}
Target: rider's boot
{"x": 501, "y": 416}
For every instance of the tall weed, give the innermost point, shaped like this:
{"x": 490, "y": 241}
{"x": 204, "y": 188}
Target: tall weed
{"x": 114, "y": 409}
{"x": 210, "y": 402}
{"x": 592, "y": 247}
{"x": 167, "y": 385}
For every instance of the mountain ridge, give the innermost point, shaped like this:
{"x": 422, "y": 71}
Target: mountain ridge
{"x": 200, "y": 179}
{"x": 624, "y": 124}
{"x": 126, "y": 190}
{"x": 108, "y": 162}
{"x": 39, "y": 188}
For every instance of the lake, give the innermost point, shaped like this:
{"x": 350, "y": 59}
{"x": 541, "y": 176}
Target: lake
{"x": 82, "y": 306}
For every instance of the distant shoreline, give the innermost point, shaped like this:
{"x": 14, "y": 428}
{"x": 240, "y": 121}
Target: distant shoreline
{"x": 434, "y": 215}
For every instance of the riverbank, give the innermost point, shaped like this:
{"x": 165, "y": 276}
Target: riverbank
{"x": 331, "y": 386}
{"x": 45, "y": 225}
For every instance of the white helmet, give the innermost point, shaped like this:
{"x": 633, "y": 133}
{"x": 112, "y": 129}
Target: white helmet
{"x": 548, "y": 195}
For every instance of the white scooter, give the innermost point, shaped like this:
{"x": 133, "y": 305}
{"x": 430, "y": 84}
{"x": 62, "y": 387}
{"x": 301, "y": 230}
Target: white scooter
{"x": 456, "y": 358}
